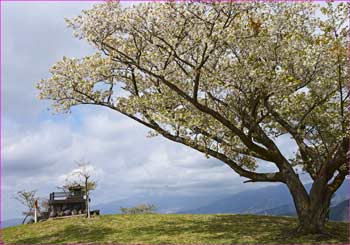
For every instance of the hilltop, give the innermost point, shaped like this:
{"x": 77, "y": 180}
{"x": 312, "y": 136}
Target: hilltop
{"x": 169, "y": 228}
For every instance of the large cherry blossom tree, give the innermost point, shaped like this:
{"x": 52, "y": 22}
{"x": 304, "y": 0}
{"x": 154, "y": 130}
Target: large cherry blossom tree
{"x": 226, "y": 79}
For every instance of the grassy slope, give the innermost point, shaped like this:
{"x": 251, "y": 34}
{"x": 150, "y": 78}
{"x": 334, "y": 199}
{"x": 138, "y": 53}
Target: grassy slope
{"x": 169, "y": 228}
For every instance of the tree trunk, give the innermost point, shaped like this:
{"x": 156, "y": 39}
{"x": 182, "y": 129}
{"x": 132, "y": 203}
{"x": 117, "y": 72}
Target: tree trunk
{"x": 313, "y": 220}
{"x": 87, "y": 198}
{"x": 311, "y": 208}
{"x": 24, "y": 220}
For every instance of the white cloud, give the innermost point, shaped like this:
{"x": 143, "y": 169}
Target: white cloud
{"x": 34, "y": 36}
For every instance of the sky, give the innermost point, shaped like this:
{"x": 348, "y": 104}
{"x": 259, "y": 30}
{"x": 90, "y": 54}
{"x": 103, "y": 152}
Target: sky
{"x": 39, "y": 148}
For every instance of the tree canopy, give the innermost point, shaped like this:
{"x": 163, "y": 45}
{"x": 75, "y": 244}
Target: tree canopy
{"x": 226, "y": 79}
{"x": 84, "y": 171}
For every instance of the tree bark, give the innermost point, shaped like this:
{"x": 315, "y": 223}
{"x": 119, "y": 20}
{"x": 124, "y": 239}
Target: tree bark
{"x": 311, "y": 209}
{"x": 313, "y": 221}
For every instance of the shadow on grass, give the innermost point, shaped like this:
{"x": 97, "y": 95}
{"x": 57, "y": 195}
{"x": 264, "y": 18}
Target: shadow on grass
{"x": 237, "y": 229}
{"x": 75, "y": 233}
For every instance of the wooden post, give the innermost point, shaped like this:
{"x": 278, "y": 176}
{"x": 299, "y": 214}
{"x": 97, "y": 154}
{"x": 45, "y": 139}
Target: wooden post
{"x": 87, "y": 204}
{"x": 36, "y": 206}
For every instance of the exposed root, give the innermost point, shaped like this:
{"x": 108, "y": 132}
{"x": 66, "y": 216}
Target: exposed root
{"x": 324, "y": 235}
{"x": 301, "y": 231}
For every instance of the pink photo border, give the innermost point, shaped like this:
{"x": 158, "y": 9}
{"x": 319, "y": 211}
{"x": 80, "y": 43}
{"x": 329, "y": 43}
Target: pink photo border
{"x": 1, "y": 62}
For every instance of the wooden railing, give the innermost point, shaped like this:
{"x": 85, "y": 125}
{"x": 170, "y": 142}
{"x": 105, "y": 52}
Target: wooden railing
{"x": 64, "y": 195}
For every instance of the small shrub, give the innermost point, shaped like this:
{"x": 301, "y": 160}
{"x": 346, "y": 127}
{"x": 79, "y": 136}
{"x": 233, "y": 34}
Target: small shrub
{"x": 139, "y": 209}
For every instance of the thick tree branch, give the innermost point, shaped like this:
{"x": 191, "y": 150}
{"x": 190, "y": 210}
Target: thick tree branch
{"x": 273, "y": 177}
{"x": 306, "y": 153}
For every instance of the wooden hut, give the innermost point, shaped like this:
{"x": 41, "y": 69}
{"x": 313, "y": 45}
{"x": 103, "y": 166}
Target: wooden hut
{"x": 67, "y": 203}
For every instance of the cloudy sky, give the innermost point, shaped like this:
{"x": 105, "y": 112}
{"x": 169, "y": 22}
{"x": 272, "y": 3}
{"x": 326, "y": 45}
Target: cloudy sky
{"x": 39, "y": 148}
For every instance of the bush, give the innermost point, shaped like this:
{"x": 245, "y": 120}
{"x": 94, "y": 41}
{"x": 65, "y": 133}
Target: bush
{"x": 140, "y": 209}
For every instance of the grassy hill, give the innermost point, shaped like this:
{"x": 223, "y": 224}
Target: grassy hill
{"x": 169, "y": 228}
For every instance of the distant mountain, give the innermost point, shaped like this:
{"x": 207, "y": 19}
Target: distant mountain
{"x": 340, "y": 212}
{"x": 11, "y": 222}
{"x": 272, "y": 200}
{"x": 166, "y": 203}
{"x": 251, "y": 201}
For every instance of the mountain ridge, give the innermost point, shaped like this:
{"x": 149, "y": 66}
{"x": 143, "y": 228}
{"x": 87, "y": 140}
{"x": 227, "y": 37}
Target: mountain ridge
{"x": 262, "y": 200}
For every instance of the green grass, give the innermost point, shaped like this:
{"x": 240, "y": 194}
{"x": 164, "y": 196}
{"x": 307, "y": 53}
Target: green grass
{"x": 170, "y": 228}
